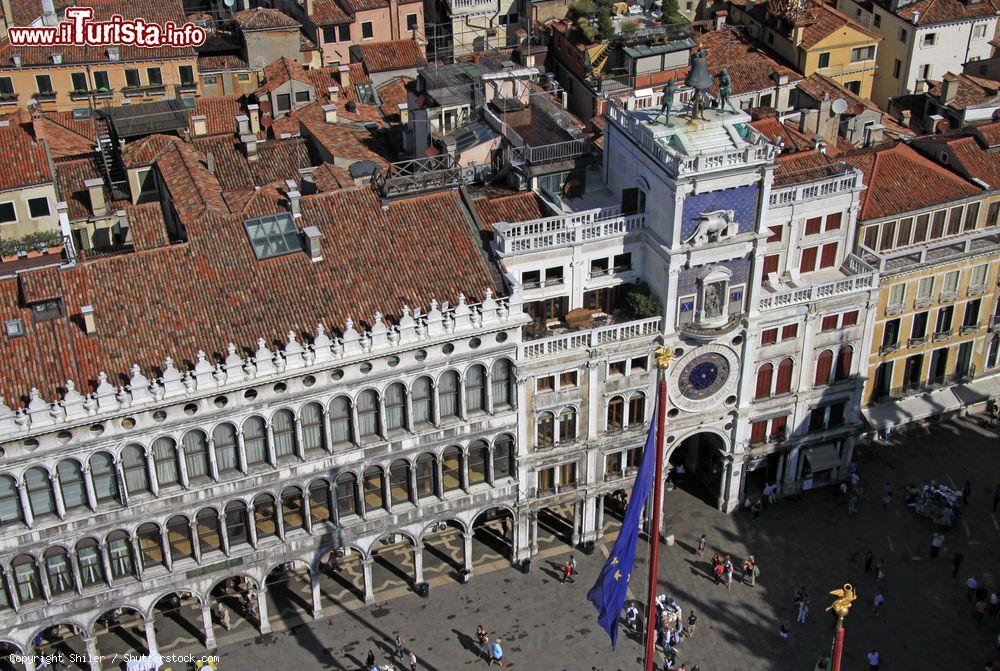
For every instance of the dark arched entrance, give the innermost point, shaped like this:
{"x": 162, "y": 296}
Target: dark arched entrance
{"x": 696, "y": 467}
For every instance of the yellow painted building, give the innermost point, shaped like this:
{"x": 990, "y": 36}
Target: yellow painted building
{"x": 934, "y": 238}
{"x": 815, "y": 38}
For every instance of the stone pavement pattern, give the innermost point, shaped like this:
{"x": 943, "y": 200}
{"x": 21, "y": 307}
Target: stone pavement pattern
{"x": 925, "y": 623}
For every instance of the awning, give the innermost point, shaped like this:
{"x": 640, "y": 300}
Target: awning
{"x": 823, "y": 457}
{"x": 978, "y": 391}
{"x": 904, "y": 411}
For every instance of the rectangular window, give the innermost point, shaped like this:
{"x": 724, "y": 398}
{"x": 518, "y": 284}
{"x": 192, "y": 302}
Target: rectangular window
{"x": 776, "y": 232}
{"x": 329, "y": 34}
{"x": 769, "y": 336}
{"x": 944, "y": 319}
{"x": 918, "y": 329}
{"x": 862, "y": 54}
{"x": 832, "y": 222}
{"x": 187, "y": 75}
{"x": 925, "y": 288}
{"x": 132, "y": 77}
{"x": 978, "y": 277}
{"x": 547, "y": 383}
{"x": 813, "y": 225}
{"x": 896, "y": 294}
{"x": 824, "y": 59}
{"x": 411, "y": 21}
{"x": 903, "y": 34}
{"x": 871, "y": 237}
{"x": 623, "y": 262}
{"x": 807, "y": 264}
{"x": 6, "y": 87}
{"x": 937, "y": 228}
{"x": 344, "y": 33}
{"x": 154, "y": 76}
{"x": 789, "y": 331}
{"x": 568, "y": 379}
{"x": 7, "y": 213}
{"x": 828, "y": 258}
{"x": 38, "y": 207}
{"x": 849, "y": 319}
{"x": 925, "y": 71}
{"x": 955, "y": 221}
{"x": 877, "y": 20}
{"x": 971, "y": 315}
{"x": 44, "y": 84}
{"x": 920, "y": 230}
{"x": 284, "y": 102}
{"x": 302, "y": 96}
{"x": 888, "y": 235}
{"x": 101, "y": 81}
{"x": 905, "y": 230}
{"x": 770, "y": 266}
{"x": 971, "y": 215}
{"x": 367, "y": 30}
{"x": 979, "y": 31}
{"x": 929, "y": 40}
{"x": 829, "y": 323}
{"x": 79, "y": 81}
{"x": 638, "y": 365}
{"x": 993, "y": 214}
{"x": 950, "y": 282}
{"x": 616, "y": 368}
{"x": 890, "y": 334}
{"x": 897, "y": 66}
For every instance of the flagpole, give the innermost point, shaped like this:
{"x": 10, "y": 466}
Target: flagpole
{"x": 663, "y": 356}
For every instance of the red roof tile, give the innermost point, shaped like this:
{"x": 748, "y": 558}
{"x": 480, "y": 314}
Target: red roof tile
{"x": 281, "y": 71}
{"x": 330, "y": 177}
{"x": 329, "y": 12}
{"x": 970, "y": 155}
{"x": 221, "y": 62}
{"x": 749, "y": 68}
{"x": 901, "y": 180}
{"x": 193, "y": 189}
{"x": 220, "y": 114}
{"x": 264, "y": 18}
{"x": 24, "y": 160}
{"x": 70, "y": 177}
{"x": 212, "y": 290}
{"x": 342, "y": 140}
{"x": 366, "y": 5}
{"x": 523, "y": 206}
{"x": 943, "y": 11}
{"x": 393, "y": 94}
{"x": 391, "y": 55}
{"x": 146, "y": 150}
{"x": 989, "y": 133}
{"x": 972, "y": 92}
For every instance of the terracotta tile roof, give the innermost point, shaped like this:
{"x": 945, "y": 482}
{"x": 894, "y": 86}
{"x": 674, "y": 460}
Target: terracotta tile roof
{"x": 943, "y": 11}
{"x": 328, "y": 12}
{"x": 970, "y": 154}
{"x": 220, "y": 114}
{"x": 972, "y": 92}
{"x": 901, "y": 180}
{"x": 330, "y": 177}
{"x": 281, "y": 71}
{"x": 348, "y": 107}
{"x": 70, "y": 177}
{"x": 817, "y": 20}
{"x": 67, "y": 137}
{"x": 818, "y": 86}
{"x": 153, "y": 11}
{"x": 342, "y": 140}
{"x": 390, "y": 55}
{"x": 221, "y": 62}
{"x": 306, "y": 44}
{"x": 212, "y": 290}
{"x": 366, "y": 5}
{"x": 393, "y": 94}
{"x": 194, "y": 190}
{"x": 989, "y": 134}
{"x": 146, "y": 150}
{"x": 147, "y": 229}
{"x": 24, "y": 12}
{"x": 803, "y": 166}
{"x": 24, "y": 160}
{"x": 263, "y": 18}
{"x": 785, "y": 133}
{"x": 749, "y": 68}
{"x": 276, "y": 160}
{"x": 522, "y": 206}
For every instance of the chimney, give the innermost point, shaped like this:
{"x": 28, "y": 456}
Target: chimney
{"x": 404, "y": 112}
{"x": 95, "y": 189}
{"x": 309, "y": 7}
{"x": 803, "y": 121}
{"x": 920, "y": 86}
{"x": 243, "y": 125}
{"x": 253, "y": 111}
{"x": 293, "y": 203}
{"x": 37, "y": 127}
{"x": 210, "y": 162}
{"x": 57, "y": 58}
{"x": 17, "y": 60}
{"x": 333, "y": 93}
{"x": 819, "y": 144}
{"x": 249, "y": 146}
{"x": 905, "y": 116}
{"x": 720, "y": 19}
{"x": 875, "y": 134}
{"x": 949, "y": 88}
{"x": 113, "y": 53}
{"x": 931, "y": 123}
{"x": 199, "y": 123}
{"x": 421, "y": 132}
{"x": 313, "y": 246}
{"x": 345, "y": 76}
{"x": 916, "y": 17}
{"x": 49, "y": 17}
{"x": 89, "y": 321}
{"x": 307, "y": 183}
{"x": 330, "y": 113}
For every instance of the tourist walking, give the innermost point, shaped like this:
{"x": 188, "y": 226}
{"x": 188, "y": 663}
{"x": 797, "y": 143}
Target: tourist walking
{"x": 568, "y": 573}
{"x": 971, "y": 585}
{"x": 873, "y": 660}
{"x": 400, "y": 648}
{"x": 869, "y": 562}
{"x": 632, "y": 617}
{"x": 370, "y": 660}
{"x": 956, "y": 562}
{"x": 729, "y": 574}
{"x": 496, "y": 654}
{"x": 783, "y": 632}
{"x": 702, "y": 542}
{"x": 483, "y": 639}
{"x": 877, "y": 603}
{"x": 572, "y": 566}
{"x": 692, "y": 623}
{"x": 413, "y": 660}
{"x": 803, "y": 611}
{"x": 937, "y": 542}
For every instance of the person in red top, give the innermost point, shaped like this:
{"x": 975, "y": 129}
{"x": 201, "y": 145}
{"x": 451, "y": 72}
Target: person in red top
{"x": 568, "y": 573}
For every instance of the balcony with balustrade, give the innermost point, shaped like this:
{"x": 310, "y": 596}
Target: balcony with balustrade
{"x": 800, "y": 186}
{"x": 590, "y": 338}
{"x": 472, "y": 7}
{"x": 567, "y": 230}
{"x": 854, "y": 275}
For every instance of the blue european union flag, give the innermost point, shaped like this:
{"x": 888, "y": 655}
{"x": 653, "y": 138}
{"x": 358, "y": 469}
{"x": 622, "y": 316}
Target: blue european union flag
{"x": 609, "y": 592}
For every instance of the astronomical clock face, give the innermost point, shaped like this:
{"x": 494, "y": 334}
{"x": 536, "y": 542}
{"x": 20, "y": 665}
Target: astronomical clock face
{"x": 703, "y": 376}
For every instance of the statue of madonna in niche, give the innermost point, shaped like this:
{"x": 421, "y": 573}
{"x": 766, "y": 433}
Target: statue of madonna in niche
{"x": 714, "y": 300}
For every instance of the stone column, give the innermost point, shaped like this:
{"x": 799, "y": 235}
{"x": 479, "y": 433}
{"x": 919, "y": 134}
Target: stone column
{"x": 151, "y": 467}
{"x": 414, "y": 497}
{"x": 122, "y": 487}
{"x": 436, "y": 403}
{"x": 165, "y": 547}
{"x": 327, "y": 438}
{"x": 355, "y": 433}
{"x": 461, "y": 398}
{"x": 317, "y": 601}
{"x": 252, "y": 527}
{"x": 195, "y": 541}
{"x": 223, "y": 534}
{"x": 106, "y": 563}
{"x": 88, "y": 483}
{"x": 488, "y": 381}
{"x": 151, "y": 636}
{"x": 366, "y": 565}
{"x": 408, "y": 399}
{"x": 418, "y": 563}
{"x": 206, "y": 618}
{"x": 467, "y": 537}
{"x": 57, "y": 495}
{"x": 576, "y": 524}
{"x": 386, "y": 493}
{"x": 307, "y": 511}
{"x": 382, "y": 425}
{"x": 74, "y": 562}
{"x": 464, "y": 471}
{"x": 489, "y": 465}
{"x": 265, "y": 622}
{"x": 439, "y": 484}
{"x": 300, "y": 450}
{"x": 213, "y": 465}
{"x": 15, "y": 601}
{"x": 279, "y": 518}
{"x": 271, "y": 458}
{"x": 95, "y": 659}
{"x": 22, "y": 493}
{"x": 534, "y": 533}
{"x": 182, "y": 467}
{"x": 43, "y": 580}
{"x": 133, "y": 546}
{"x": 241, "y": 451}
{"x": 588, "y": 519}
{"x": 600, "y": 517}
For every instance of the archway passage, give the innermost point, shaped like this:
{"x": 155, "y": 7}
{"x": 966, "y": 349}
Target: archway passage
{"x": 493, "y": 536}
{"x": 696, "y": 467}
{"x": 6, "y": 663}
{"x": 178, "y": 622}
{"x": 444, "y": 550}
{"x": 289, "y": 593}
{"x": 555, "y": 525}
{"x": 63, "y": 642}
{"x": 392, "y": 563}
{"x": 119, "y": 632}
{"x": 342, "y": 577}
{"x": 233, "y": 606}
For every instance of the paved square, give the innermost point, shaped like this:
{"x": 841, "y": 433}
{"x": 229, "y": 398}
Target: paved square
{"x": 925, "y": 623}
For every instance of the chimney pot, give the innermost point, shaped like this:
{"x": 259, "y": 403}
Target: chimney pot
{"x": 17, "y": 60}
{"x": 210, "y": 162}
{"x": 199, "y": 124}
{"x": 95, "y": 189}
{"x": 334, "y": 93}
{"x": 249, "y": 146}
{"x": 720, "y": 19}
{"x": 113, "y": 53}
{"x": 313, "y": 237}
{"x": 330, "y": 113}
{"x": 949, "y": 88}
{"x": 243, "y": 124}
{"x": 89, "y": 320}
{"x": 293, "y": 204}
{"x": 57, "y": 58}
{"x": 345, "y": 75}
{"x": 404, "y": 113}
{"x": 253, "y": 111}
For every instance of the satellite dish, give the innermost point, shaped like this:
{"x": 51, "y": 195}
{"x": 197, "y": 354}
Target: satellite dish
{"x": 265, "y": 106}
{"x": 839, "y": 106}
{"x": 229, "y": 3}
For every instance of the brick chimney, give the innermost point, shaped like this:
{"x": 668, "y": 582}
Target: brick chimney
{"x": 253, "y": 111}
{"x": 200, "y": 125}
{"x": 38, "y": 124}
{"x": 95, "y": 189}
{"x": 949, "y": 88}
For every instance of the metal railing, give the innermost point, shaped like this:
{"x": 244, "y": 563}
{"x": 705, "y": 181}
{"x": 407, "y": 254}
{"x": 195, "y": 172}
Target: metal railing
{"x": 568, "y": 229}
{"x": 417, "y": 175}
{"x": 471, "y": 6}
{"x": 590, "y": 338}
{"x": 862, "y": 277}
{"x": 933, "y": 383}
{"x": 813, "y": 183}
{"x": 559, "y": 151}
{"x": 916, "y": 342}
{"x": 978, "y": 241}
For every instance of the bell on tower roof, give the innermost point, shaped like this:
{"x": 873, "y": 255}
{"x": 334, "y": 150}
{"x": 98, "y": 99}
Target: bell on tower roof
{"x": 700, "y": 79}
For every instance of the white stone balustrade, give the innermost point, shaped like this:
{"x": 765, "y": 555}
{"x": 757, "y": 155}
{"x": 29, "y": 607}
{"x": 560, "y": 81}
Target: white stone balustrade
{"x": 589, "y": 338}
{"x": 565, "y": 230}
